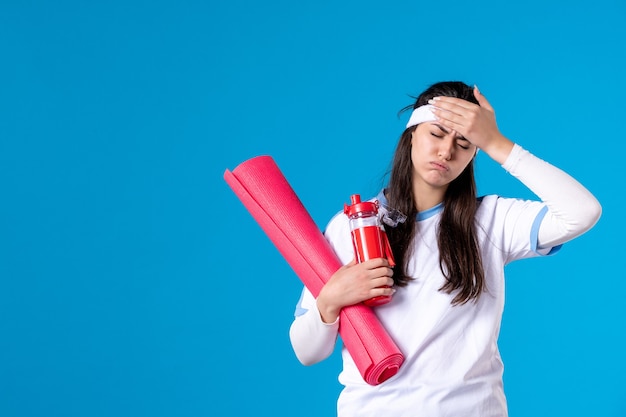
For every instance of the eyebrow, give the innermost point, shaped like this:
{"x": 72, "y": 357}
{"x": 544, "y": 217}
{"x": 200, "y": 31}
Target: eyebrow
{"x": 446, "y": 131}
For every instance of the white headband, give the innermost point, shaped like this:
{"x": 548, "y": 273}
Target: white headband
{"x": 420, "y": 115}
{"x": 423, "y": 114}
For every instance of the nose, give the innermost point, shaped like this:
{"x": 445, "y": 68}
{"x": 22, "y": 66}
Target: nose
{"x": 446, "y": 148}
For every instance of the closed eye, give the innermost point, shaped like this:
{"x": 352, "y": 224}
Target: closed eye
{"x": 460, "y": 140}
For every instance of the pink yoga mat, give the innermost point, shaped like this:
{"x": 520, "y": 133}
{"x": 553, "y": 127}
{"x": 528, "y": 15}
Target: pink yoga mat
{"x": 265, "y": 192}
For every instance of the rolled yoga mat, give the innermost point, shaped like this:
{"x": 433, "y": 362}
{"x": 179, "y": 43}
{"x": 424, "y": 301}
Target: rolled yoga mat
{"x": 265, "y": 192}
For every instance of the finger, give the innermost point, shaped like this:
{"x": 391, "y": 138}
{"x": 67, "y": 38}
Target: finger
{"x": 481, "y": 99}
{"x": 451, "y": 103}
{"x": 376, "y": 292}
{"x": 386, "y": 282}
{"x": 449, "y": 119}
{"x": 383, "y": 271}
{"x": 376, "y": 263}
{"x": 379, "y": 282}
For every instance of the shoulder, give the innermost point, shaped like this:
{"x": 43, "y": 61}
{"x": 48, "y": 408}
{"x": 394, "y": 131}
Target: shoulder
{"x": 337, "y": 224}
{"x": 337, "y": 233}
{"x": 494, "y": 203}
{"x": 508, "y": 213}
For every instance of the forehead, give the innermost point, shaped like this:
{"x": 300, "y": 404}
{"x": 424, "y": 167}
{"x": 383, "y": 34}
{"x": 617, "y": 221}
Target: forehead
{"x": 439, "y": 127}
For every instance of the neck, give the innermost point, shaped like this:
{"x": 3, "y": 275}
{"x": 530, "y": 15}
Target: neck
{"x": 427, "y": 197}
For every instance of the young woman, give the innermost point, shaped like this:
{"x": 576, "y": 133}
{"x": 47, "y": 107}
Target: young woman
{"x": 450, "y": 253}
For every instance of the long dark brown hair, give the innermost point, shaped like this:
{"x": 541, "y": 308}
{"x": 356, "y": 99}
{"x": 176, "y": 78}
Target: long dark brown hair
{"x": 459, "y": 256}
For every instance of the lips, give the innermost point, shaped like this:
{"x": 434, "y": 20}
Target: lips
{"x": 440, "y": 166}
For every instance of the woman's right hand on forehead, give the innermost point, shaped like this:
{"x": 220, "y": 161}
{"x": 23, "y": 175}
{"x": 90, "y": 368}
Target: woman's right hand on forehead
{"x": 476, "y": 123}
{"x": 352, "y": 284}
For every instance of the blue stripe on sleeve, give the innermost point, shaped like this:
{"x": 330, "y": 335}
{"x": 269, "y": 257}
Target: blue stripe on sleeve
{"x": 534, "y": 234}
{"x": 299, "y": 309}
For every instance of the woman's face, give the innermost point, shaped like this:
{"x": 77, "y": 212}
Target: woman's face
{"x": 439, "y": 155}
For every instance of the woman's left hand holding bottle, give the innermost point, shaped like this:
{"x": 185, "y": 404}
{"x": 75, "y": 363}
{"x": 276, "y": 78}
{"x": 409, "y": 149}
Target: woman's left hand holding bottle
{"x": 352, "y": 284}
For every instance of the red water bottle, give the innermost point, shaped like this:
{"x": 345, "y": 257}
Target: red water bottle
{"x": 368, "y": 237}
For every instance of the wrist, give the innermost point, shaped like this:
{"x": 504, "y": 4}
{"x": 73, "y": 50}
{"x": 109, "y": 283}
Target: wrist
{"x": 499, "y": 149}
{"x": 328, "y": 314}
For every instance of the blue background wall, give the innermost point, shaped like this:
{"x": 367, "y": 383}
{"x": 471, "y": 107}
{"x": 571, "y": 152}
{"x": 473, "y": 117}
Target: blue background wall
{"x": 134, "y": 283}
